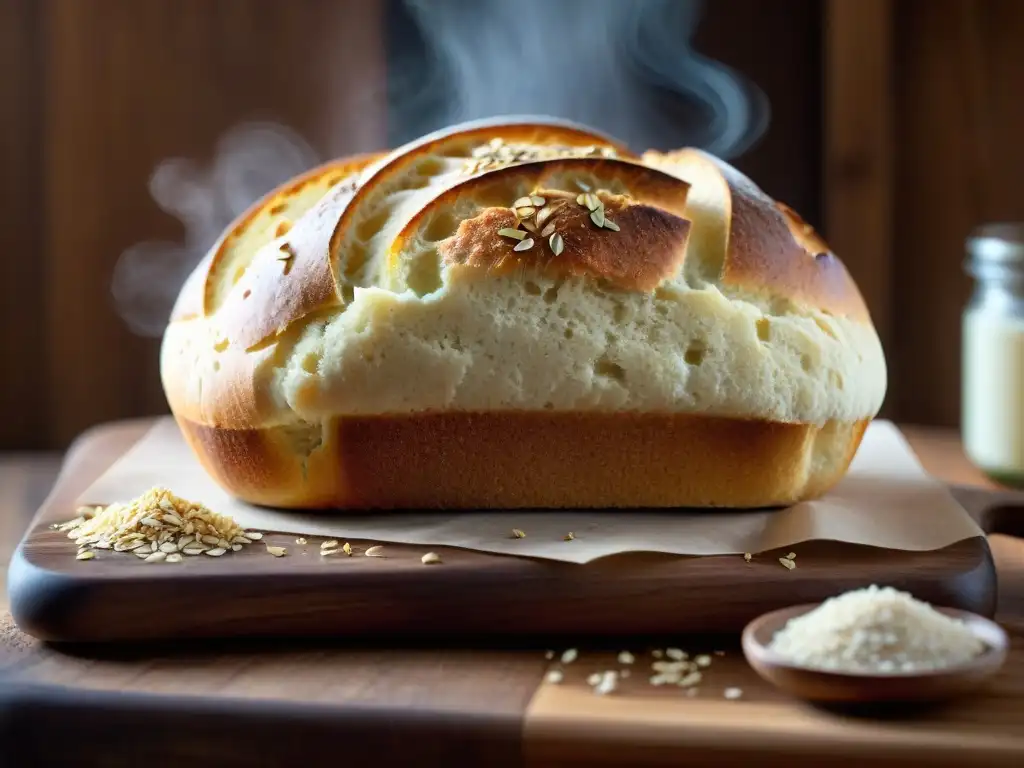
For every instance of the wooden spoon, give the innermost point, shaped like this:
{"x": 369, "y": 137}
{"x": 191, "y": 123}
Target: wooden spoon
{"x": 851, "y": 687}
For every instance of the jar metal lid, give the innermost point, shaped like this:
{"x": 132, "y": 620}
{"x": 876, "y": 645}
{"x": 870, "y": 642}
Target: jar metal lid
{"x": 1000, "y": 243}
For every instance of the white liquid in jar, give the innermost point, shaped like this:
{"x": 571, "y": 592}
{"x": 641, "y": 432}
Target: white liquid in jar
{"x": 993, "y": 393}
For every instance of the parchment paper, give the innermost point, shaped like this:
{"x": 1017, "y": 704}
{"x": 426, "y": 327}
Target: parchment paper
{"x": 886, "y": 500}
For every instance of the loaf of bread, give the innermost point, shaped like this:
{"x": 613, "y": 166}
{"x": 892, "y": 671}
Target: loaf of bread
{"x": 522, "y": 314}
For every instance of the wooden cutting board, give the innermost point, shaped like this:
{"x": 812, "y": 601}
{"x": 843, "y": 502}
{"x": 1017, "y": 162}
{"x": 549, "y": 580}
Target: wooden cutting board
{"x": 249, "y": 593}
{"x": 442, "y": 702}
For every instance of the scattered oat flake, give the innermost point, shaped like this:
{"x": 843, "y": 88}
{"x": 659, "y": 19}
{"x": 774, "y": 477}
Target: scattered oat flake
{"x": 555, "y": 676}
{"x": 608, "y": 683}
{"x": 329, "y": 544}
{"x": 156, "y": 521}
{"x": 431, "y": 558}
{"x": 347, "y": 549}
{"x": 747, "y": 556}
{"x": 787, "y": 562}
{"x": 675, "y": 653}
{"x": 791, "y": 555}
{"x": 692, "y": 678}
{"x": 625, "y": 657}
{"x": 733, "y": 693}
{"x": 253, "y": 535}
{"x": 569, "y": 655}
{"x": 593, "y": 679}
{"x": 569, "y": 536}
{"x": 300, "y": 541}
{"x": 518, "y": 534}
{"x": 515, "y": 234}
{"x": 703, "y": 660}
{"x": 175, "y": 557}
{"x": 377, "y": 551}
{"x": 87, "y": 555}
{"x": 276, "y": 551}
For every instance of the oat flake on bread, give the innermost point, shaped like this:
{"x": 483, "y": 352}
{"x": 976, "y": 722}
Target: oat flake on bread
{"x": 522, "y": 313}
{"x": 876, "y": 630}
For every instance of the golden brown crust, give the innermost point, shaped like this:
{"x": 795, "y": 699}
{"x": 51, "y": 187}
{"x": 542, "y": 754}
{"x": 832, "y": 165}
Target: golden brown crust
{"x": 196, "y": 297}
{"x": 289, "y": 281}
{"x": 560, "y": 460}
{"x": 452, "y": 142}
{"x": 649, "y": 247}
{"x": 764, "y": 257}
{"x": 803, "y": 232}
{"x": 273, "y": 207}
{"x": 769, "y": 250}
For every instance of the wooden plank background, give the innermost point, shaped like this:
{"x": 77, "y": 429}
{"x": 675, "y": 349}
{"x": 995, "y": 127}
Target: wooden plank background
{"x": 140, "y": 82}
{"x": 894, "y": 129}
{"x": 922, "y": 145}
{"x": 22, "y": 295}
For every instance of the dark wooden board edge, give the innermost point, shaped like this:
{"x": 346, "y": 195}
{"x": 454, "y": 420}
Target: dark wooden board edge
{"x": 472, "y": 594}
{"x": 998, "y": 512}
{"x": 56, "y": 598}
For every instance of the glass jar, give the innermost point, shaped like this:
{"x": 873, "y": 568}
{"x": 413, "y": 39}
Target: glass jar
{"x": 992, "y": 353}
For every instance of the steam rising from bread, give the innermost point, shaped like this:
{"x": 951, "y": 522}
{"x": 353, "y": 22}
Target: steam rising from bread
{"x": 624, "y": 67}
{"x": 249, "y": 161}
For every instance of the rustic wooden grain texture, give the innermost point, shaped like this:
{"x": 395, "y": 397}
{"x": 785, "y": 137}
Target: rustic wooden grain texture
{"x": 958, "y": 129}
{"x": 22, "y": 290}
{"x": 129, "y": 84}
{"x": 567, "y": 724}
{"x": 858, "y": 128}
{"x": 118, "y": 597}
{"x": 252, "y": 703}
{"x": 936, "y": 203}
{"x": 261, "y": 705}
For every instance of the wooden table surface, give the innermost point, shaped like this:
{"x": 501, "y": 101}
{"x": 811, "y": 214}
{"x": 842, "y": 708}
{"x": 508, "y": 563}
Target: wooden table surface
{"x": 560, "y": 724}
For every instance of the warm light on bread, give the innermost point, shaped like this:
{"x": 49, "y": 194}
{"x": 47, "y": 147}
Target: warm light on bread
{"x": 510, "y": 314}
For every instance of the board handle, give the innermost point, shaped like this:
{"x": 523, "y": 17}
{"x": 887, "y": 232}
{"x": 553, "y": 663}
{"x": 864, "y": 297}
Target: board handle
{"x": 995, "y": 511}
